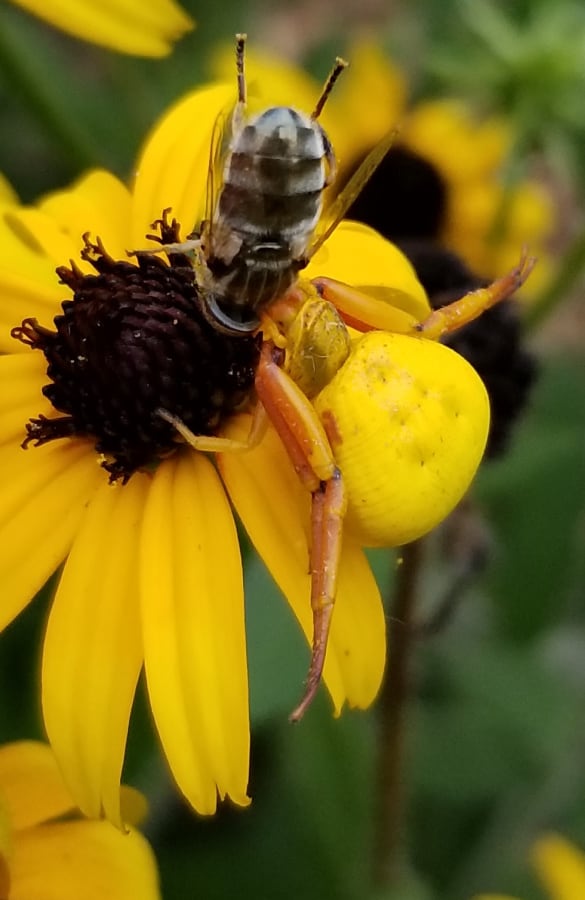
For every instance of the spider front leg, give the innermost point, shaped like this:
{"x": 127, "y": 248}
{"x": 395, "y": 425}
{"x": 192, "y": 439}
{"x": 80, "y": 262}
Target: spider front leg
{"x": 305, "y": 441}
{"x": 463, "y": 311}
{"x": 365, "y": 313}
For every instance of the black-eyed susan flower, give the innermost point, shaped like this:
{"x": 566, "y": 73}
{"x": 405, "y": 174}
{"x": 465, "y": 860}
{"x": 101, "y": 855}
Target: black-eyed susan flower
{"x": 48, "y": 850}
{"x": 152, "y": 573}
{"x": 128, "y": 26}
{"x": 560, "y": 867}
{"x": 445, "y": 178}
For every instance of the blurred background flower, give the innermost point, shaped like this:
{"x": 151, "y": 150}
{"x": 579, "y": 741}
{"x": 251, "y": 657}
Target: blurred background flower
{"x": 47, "y": 850}
{"x": 128, "y": 26}
{"x": 560, "y": 867}
{"x": 494, "y": 732}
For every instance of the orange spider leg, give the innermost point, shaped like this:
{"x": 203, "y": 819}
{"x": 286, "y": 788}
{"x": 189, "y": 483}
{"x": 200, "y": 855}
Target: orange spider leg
{"x": 306, "y": 443}
{"x": 213, "y": 444}
{"x": 365, "y": 313}
{"x": 459, "y": 313}
{"x": 362, "y": 311}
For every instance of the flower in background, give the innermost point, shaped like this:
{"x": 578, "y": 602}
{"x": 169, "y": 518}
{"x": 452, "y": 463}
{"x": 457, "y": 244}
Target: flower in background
{"x": 153, "y": 572}
{"x": 443, "y": 179}
{"x": 560, "y": 867}
{"x": 47, "y": 850}
{"x": 129, "y": 26}
{"x": 443, "y": 182}
{"x": 526, "y": 60}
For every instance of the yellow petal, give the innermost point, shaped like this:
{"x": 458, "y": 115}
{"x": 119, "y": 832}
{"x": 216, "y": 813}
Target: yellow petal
{"x": 532, "y": 215}
{"x": 134, "y": 806}
{"x": 129, "y": 26}
{"x": 275, "y": 510}
{"x": 445, "y": 133}
{"x": 7, "y": 192}
{"x": 28, "y": 283}
{"x": 93, "y": 649}
{"x": 98, "y": 203}
{"x": 474, "y": 208}
{"x": 358, "y": 633}
{"x": 31, "y": 785}
{"x": 41, "y": 506}
{"x": 373, "y": 75}
{"x": 560, "y": 866}
{"x": 33, "y": 241}
{"x": 4, "y": 870}
{"x": 20, "y": 251}
{"x": 173, "y": 167}
{"x": 194, "y": 637}
{"x": 5, "y": 846}
{"x": 41, "y": 231}
{"x": 357, "y": 255}
{"x": 24, "y": 297}
{"x": 82, "y": 861}
{"x": 21, "y": 378}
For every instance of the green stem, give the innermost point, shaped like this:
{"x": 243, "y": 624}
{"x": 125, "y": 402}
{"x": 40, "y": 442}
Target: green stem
{"x": 25, "y": 76}
{"x": 571, "y": 269}
{"x": 393, "y": 707}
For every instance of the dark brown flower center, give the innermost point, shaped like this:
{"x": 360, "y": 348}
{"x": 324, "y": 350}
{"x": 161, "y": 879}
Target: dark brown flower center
{"x": 132, "y": 341}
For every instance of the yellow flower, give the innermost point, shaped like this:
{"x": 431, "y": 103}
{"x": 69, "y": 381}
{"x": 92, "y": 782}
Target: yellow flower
{"x": 7, "y": 192}
{"x": 443, "y": 178}
{"x": 48, "y": 851}
{"x": 153, "y": 573}
{"x": 129, "y": 26}
{"x": 560, "y": 867}
{"x": 469, "y": 154}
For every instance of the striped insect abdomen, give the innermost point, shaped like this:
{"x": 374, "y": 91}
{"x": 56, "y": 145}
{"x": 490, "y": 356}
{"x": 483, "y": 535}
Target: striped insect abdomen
{"x": 269, "y": 205}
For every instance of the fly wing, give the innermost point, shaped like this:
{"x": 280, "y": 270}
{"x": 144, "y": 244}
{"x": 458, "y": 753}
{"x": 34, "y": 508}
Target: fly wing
{"x": 338, "y": 209}
{"x": 220, "y": 137}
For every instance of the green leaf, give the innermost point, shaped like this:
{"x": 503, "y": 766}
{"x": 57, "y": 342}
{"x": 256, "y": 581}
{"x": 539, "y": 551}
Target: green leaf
{"x": 535, "y": 501}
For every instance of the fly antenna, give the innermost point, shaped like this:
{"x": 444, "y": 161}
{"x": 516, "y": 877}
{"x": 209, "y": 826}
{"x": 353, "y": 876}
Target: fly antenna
{"x": 241, "y": 75}
{"x": 340, "y": 65}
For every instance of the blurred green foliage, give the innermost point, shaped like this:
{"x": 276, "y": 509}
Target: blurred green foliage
{"x": 496, "y": 726}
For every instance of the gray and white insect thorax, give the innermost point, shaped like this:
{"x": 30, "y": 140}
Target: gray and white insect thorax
{"x": 261, "y": 231}
{"x": 277, "y": 167}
